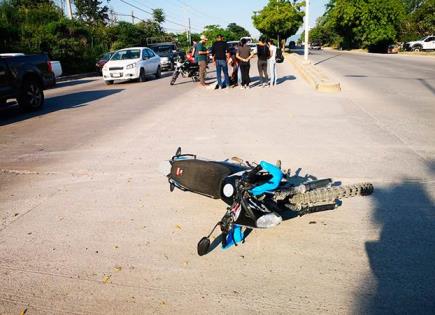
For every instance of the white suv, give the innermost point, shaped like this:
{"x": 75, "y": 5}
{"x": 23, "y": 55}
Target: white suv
{"x": 426, "y": 43}
{"x": 130, "y": 64}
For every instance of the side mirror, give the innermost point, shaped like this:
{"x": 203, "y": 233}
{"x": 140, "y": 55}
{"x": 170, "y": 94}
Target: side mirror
{"x": 203, "y": 246}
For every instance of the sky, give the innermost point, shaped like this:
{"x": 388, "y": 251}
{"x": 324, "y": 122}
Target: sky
{"x": 205, "y": 12}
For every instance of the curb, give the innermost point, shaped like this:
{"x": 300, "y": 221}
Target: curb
{"x": 424, "y": 54}
{"x": 76, "y": 76}
{"x": 318, "y": 80}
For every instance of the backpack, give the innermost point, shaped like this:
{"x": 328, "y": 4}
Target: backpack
{"x": 279, "y": 56}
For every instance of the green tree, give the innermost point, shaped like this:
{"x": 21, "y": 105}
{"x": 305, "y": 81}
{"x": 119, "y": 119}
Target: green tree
{"x": 69, "y": 41}
{"x": 369, "y": 24}
{"x": 29, "y": 3}
{"x": 182, "y": 41}
{"x": 279, "y": 19}
{"x": 126, "y": 34}
{"x": 412, "y": 5}
{"x": 237, "y": 31}
{"x": 159, "y": 16}
{"x": 212, "y": 31}
{"x": 92, "y": 11}
{"x": 420, "y": 22}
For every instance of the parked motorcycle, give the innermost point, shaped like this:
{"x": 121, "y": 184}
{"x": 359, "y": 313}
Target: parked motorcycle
{"x": 257, "y": 195}
{"x": 186, "y": 69}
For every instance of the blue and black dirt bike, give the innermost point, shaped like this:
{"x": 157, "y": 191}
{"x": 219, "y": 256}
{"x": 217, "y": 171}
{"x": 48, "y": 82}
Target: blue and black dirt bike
{"x": 257, "y": 195}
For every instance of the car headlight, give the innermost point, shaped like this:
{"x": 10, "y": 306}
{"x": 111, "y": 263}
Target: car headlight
{"x": 133, "y": 65}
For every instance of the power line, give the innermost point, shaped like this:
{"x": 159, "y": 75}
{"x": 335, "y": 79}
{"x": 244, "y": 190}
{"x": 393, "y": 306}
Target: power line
{"x": 150, "y": 13}
{"x": 166, "y": 14}
{"x": 198, "y": 12}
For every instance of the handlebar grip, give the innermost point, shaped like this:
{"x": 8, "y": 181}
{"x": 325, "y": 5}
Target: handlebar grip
{"x": 250, "y": 176}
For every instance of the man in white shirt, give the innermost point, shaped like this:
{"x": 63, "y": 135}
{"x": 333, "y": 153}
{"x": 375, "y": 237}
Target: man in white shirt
{"x": 271, "y": 62}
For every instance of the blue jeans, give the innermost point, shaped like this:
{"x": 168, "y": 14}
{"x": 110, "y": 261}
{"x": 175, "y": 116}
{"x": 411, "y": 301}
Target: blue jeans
{"x": 221, "y": 65}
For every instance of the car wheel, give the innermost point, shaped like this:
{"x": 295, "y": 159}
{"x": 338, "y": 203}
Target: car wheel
{"x": 31, "y": 95}
{"x": 417, "y": 48}
{"x": 158, "y": 73}
{"x": 142, "y": 77}
{"x": 108, "y": 82}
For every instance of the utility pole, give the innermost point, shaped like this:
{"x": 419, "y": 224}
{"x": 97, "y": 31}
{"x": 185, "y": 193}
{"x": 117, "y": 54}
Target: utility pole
{"x": 132, "y": 17}
{"x": 189, "y": 34}
{"x": 69, "y": 8}
{"x": 307, "y": 30}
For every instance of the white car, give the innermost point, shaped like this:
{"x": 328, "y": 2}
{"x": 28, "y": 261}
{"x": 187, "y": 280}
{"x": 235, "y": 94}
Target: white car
{"x": 253, "y": 47}
{"x": 132, "y": 64}
{"x": 427, "y": 43}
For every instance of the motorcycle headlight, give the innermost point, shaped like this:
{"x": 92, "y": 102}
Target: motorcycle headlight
{"x": 131, "y": 66}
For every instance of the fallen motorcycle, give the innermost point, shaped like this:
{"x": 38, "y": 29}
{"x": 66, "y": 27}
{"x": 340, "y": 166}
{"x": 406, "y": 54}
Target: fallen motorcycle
{"x": 187, "y": 69}
{"x": 257, "y": 194}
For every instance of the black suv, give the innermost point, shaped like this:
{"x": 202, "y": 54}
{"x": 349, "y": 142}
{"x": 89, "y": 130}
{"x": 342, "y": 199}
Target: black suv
{"x": 168, "y": 52}
{"x": 24, "y": 78}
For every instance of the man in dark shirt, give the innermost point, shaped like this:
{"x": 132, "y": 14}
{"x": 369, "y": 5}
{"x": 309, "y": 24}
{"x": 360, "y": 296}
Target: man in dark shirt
{"x": 263, "y": 54}
{"x": 219, "y": 51}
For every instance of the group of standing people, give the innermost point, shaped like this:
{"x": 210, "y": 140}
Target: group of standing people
{"x": 239, "y": 58}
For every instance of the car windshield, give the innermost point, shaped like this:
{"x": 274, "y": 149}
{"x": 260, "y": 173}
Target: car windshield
{"x": 106, "y": 56}
{"x": 126, "y": 54}
{"x": 165, "y": 48}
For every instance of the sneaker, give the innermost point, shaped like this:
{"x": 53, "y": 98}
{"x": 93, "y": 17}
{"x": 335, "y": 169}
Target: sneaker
{"x": 217, "y": 87}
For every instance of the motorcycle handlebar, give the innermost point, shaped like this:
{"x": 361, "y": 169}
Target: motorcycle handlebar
{"x": 250, "y": 175}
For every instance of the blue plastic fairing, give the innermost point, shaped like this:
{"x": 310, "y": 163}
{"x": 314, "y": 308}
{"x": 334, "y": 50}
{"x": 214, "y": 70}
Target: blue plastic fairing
{"x": 272, "y": 184}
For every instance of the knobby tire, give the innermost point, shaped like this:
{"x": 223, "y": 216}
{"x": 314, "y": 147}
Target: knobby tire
{"x": 331, "y": 194}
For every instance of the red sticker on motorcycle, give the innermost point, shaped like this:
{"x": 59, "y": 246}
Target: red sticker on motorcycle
{"x": 179, "y": 172}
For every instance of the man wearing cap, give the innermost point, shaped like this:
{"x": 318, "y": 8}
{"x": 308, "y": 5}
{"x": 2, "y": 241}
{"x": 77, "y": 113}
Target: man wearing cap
{"x": 201, "y": 58}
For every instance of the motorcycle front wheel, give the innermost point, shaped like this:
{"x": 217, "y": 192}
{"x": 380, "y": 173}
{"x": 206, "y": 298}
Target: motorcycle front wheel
{"x": 174, "y": 77}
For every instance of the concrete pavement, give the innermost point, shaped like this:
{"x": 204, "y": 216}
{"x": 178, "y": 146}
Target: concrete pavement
{"x": 88, "y": 224}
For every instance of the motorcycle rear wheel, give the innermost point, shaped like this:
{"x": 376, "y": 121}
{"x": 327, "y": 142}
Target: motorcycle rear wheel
{"x": 330, "y": 194}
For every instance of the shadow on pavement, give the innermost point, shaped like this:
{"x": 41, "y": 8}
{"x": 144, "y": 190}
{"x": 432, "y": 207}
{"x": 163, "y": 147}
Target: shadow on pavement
{"x": 326, "y": 59}
{"x": 12, "y": 114}
{"x": 71, "y": 83}
{"x": 281, "y": 80}
{"x": 403, "y": 259}
{"x": 255, "y": 81}
{"x": 423, "y": 81}
{"x": 427, "y": 85}
{"x": 218, "y": 240}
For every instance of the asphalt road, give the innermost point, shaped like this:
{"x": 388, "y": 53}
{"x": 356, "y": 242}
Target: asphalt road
{"x": 88, "y": 225}
{"x": 391, "y": 88}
